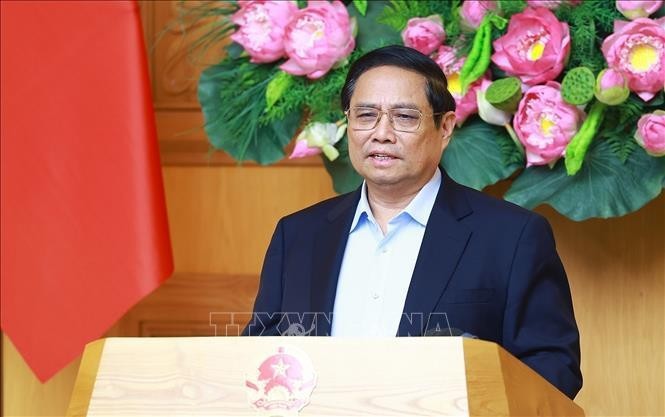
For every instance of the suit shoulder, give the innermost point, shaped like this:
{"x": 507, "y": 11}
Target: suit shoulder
{"x": 499, "y": 211}
{"x": 505, "y": 222}
{"x": 323, "y": 209}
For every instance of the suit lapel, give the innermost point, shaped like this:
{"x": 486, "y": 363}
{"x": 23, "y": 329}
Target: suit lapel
{"x": 440, "y": 251}
{"x": 328, "y": 250}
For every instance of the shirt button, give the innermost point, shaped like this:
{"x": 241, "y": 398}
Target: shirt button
{"x": 384, "y": 250}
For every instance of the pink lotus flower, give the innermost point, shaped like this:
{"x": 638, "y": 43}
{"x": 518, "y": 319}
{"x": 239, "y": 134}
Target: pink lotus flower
{"x": 637, "y": 49}
{"x": 317, "y": 137}
{"x": 650, "y": 133}
{"x": 634, "y": 9}
{"x": 318, "y": 37}
{"x": 535, "y": 47}
{"x": 261, "y": 30}
{"x": 473, "y": 11}
{"x": 465, "y": 104}
{"x": 551, "y": 4}
{"x": 424, "y": 34}
{"x": 303, "y": 150}
{"x": 544, "y": 123}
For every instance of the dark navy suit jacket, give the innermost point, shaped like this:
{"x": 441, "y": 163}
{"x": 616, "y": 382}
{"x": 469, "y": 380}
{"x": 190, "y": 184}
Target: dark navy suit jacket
{"x": 490, "y": 266}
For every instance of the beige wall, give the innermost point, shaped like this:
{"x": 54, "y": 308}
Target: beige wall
{"x": 221, "y": 218}
{"x": 616, "y": 269}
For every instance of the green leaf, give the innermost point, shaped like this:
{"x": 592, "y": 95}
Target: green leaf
{"x": 477, "y": 157}
{"x": 604, "y": 187}
{"x": 344, "y": 176}
{"x": 619, "y": 127}
{"x": 234, "y": 50}
{"x": 658, "y": 99}
{"x": 510, "y": 7}
{"x": 622, "y": 146}
{"x": 372, "y": 34}
{"x": 361, "y": 5}
{"x": 228, "y": 95}
{"x": 398, "y": 12}
{"x": 276, "y": 87}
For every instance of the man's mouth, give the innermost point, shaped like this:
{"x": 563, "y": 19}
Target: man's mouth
{"x": 381, "y": 156}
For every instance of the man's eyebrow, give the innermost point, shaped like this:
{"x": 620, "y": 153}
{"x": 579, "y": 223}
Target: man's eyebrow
{"x": 392, "y": 106}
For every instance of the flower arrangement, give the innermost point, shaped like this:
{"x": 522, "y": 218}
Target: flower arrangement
{"x": 565, "y": 97}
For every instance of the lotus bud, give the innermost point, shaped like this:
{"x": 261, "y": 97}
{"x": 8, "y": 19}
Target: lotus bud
{"x": 317, "y": 137}
{"x": 611, "y": 87}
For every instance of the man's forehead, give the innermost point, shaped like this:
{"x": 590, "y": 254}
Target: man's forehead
{"x": 390, "y": 87}
{"x": 397, "y": 105}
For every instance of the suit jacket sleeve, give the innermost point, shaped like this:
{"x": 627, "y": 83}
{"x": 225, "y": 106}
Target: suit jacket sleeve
{"x": 267, "y": 306}
{"x": 539, "y": 323}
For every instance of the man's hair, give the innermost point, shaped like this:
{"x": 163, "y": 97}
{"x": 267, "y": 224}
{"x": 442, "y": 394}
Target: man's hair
{"x": 409, "y": 59}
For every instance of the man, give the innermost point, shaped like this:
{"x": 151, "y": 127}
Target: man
{"x": 411, "y": 251}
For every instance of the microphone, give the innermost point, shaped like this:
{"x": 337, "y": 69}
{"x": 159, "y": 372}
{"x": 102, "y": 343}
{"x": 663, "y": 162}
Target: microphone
{"x": 449, "y": 331}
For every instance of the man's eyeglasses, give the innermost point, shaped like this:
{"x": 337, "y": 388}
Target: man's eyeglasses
{"x": 401, "y": 120}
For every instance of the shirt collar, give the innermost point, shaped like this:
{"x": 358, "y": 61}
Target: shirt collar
{"x": 418, "y": 209}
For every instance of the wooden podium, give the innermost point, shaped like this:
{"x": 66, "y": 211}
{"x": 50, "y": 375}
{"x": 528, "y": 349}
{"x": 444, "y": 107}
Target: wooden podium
{"x": 217, "y": 376}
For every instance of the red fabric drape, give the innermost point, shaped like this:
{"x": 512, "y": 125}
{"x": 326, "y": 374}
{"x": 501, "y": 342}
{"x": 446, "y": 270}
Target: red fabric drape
{"x": 84, "y": 227}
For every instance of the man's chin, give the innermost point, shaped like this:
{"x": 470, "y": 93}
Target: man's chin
{"x": 384, "y": 178}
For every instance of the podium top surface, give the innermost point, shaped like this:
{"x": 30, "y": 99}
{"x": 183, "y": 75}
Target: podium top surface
{"x": 306, "y": 376}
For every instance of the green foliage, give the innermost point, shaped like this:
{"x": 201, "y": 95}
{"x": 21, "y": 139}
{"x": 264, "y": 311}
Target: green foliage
{"x": 621, "y": 122}
{"x": 603, "y": 188}
{"x": 374, "y": 34}
{"x": 510, "y": 154}
{"x": 361, "y": 6}
{"x": 398, "y": 12}
{"x": 630, "y": 110}
{"x": 619, "y": 127}
{"x": 320, "y": 97}
{"x": 480, "y": 154}
{"x": 344, "y": 177}
{"x": 449, "y": 12}
{"x": 233, "y": 50}
{"x": 589, "y": 23}
{"x": 232, "y": 98}
{"x": 510, "y": 7}
{"x": 278, "y": 84}
{"x": 323, "y": 99}
{"x": 621, "y": 144}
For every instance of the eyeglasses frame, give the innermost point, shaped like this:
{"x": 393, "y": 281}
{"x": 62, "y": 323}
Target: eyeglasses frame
{"x": 390, "y": 119}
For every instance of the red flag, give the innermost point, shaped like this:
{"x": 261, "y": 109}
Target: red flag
{"x": 84, "y": 228}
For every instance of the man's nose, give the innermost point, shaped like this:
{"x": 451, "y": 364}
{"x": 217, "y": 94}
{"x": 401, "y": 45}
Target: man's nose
{"x": 384, "y": 132}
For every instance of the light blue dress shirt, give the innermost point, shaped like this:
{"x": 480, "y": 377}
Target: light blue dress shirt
{"x": 376, "y": 270}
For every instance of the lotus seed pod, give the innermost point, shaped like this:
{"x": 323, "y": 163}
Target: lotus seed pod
{"x": 505, "y": 94}
{"x": 577, "y": 86}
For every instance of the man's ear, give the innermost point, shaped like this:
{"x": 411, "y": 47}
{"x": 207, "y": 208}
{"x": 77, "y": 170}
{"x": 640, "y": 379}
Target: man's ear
{"x": 447, "y": 126}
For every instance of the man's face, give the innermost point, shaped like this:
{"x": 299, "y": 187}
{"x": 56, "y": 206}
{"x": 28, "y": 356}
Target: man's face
{"x": 388, "y": 158}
